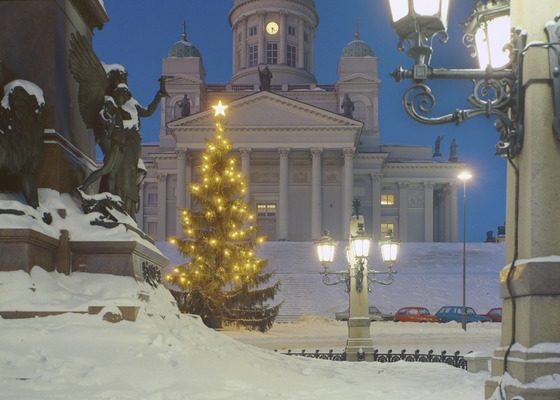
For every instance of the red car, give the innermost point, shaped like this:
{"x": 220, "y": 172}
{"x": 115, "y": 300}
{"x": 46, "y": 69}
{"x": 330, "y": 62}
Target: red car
{"x": 495, "y": 314}
{"x": 414, "y": 314}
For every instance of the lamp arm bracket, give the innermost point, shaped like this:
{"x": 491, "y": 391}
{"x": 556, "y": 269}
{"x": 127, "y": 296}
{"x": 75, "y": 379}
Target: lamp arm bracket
{"x": 552, "y": 29}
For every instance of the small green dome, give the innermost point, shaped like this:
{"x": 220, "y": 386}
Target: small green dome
{"x": 183, "y": 48}
{"x": 357, "y": 48}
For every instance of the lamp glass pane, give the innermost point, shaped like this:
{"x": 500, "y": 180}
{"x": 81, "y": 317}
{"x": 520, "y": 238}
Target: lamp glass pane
{"x": 499, "y": 34}
{"x": 444, "y": 12}
{"x": 361, "y": 247}
{"x": 389, "y": 251}
{"x": 491, "y": 41}
{"x": 325, "y": 252}
{"x": 399, "y": 9}
{"x": 427, "y": 7}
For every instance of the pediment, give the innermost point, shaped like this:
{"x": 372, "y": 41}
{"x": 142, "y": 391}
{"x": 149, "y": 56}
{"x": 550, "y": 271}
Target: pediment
{"x": 358, "y": 78}
{"x": 266, "y": 109}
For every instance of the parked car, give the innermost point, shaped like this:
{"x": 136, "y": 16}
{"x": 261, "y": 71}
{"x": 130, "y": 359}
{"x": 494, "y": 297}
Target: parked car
{"x": 494, "y": 315}
{"x": 414, "y": 314}
{"x": 454, "y": 313}
{"x": 374, "y": 315}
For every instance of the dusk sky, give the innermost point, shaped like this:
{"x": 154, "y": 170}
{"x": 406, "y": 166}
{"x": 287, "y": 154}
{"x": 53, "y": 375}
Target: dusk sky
{"x": 139, "y": 34}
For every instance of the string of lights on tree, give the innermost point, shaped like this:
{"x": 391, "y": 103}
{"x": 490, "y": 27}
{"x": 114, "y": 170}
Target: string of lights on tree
{"x": 223, "y": 281}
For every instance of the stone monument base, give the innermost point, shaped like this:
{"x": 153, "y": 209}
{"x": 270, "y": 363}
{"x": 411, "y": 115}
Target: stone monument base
{"x": 534, "y": 359}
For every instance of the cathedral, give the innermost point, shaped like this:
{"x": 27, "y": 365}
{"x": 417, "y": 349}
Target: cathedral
{"x": 307, "y": 149}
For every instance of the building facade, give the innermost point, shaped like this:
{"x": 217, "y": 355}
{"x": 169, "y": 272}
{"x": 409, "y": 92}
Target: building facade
{"x": 305, "y": 150}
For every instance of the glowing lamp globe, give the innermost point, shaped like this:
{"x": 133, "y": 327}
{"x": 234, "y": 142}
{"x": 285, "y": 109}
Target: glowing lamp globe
{"x": 325, "y": 249}
{"x": 412, "y": 18}
{"x": 360, "y": 244}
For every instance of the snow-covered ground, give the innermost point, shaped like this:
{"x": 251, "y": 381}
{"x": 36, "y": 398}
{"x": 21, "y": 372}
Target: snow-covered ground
{"x": 167, "y": 356}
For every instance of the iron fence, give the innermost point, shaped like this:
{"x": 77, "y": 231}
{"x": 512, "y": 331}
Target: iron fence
{"x": 455, "y": 360}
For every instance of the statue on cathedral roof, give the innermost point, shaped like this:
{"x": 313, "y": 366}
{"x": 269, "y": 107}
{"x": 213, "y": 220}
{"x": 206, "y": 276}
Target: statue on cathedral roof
{"x": 347, "y": 106}
{"x": 265, "y": 77}
{"x": 453, "y": 151}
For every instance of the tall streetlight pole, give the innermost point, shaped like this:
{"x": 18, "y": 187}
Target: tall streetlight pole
{"x": 464, "y": 176}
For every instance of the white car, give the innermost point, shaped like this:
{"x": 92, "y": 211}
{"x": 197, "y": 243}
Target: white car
{"x": 374, "y": 315}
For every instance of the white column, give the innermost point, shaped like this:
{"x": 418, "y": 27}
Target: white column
{"x": 428, "y": 211}
{"x": 283, "y": 195}
{"x": 403, "y": 211}
{"x": 347, "y": 191}
{"x": 162, "y": 206}
{"x": 453, "y": 212}
{"x": 376, "y": 206}
{"x": 283, "y": 38}
{"x": 181, "y": 190}
{"x": 301, "y": 46}
{"x": 261, "y": 32}
{"x": 163, "y": 117}
{"x": 243, "y": 44}
{"x": 246, "y": 170}
{"x": 316, "y": 190}
{"x": 140, "y": 214}
{"x": 234, "y": 31}
{"x": 188, "y": 180}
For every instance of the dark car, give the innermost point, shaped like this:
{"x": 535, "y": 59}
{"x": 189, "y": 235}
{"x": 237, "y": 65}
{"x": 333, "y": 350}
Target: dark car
{"x": 414, "y": 314}
{"x": 374, "y": 315}
{"x": 494, "y": 315}
{"x": 454, "y": 313}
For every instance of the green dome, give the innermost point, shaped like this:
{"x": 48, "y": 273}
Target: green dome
{"x": 357, "y": 48}
{"x": 183, "y": 48}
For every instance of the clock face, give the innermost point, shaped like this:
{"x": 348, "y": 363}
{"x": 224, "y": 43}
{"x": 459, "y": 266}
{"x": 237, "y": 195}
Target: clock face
{"x": 272, "y": 28}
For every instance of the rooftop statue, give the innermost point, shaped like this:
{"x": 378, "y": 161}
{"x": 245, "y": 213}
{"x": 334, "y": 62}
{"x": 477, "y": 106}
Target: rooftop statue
{"x": 107, "y": 106}
{"x": 265, "y": 77}
{"x": 347, "y": 106}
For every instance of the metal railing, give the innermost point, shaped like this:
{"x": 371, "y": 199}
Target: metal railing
{"x": 454, "y": 360}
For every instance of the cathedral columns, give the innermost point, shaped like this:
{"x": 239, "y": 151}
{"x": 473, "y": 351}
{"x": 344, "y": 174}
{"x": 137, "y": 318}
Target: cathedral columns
{"x": 262, "y": 50}
{"x": 243, "y": 44}
{"x": 428, "y": 212}
{"x": 347, "y": 191}
{"x": 181, "y": 188}
{"x": 283, "y": 195}
{"x": 162, "y": 205}
{"x": 316, "y": 190}
{"x": 376, "y": 206}
{"x": 140, "y": 214}
{"x": 453, "y": 211}
{"x": 246, "y": 171}
{"x": 403, "y": 211}
{"x": 283, "y": 38}
{"x": 301, "y": 44}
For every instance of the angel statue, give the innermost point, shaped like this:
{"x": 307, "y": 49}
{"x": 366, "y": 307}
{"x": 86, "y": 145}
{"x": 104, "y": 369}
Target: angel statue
{"x": 107, "y": 106}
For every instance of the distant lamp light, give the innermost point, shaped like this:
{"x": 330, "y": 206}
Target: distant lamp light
{"x": 325, "y": 249}
{"x": 360, "y": 244}
{"x": 389, "y": 250}
{"x": 464, "y": 176}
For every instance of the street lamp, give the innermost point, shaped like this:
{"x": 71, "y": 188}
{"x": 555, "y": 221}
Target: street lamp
{"x": 498, "y": 84}
{"x": 464, "y": 176}
{"x": 357, "y": 277}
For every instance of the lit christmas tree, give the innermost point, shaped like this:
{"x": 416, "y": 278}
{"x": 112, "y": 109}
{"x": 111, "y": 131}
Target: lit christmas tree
{"x": 223, "y": 281}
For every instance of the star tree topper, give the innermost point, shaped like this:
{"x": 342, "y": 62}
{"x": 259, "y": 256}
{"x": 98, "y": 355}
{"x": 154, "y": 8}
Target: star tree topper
{"x": 220, "y": 109}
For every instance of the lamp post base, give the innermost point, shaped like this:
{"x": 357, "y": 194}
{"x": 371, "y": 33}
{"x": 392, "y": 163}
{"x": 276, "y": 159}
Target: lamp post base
{"x": 359, "y": 346}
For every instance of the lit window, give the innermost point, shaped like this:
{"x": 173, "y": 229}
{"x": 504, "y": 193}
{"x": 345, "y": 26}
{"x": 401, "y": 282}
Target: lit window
{"x": 387, "y": 199}
{"x": 291, "y": 56}
{"x": 387, "y": 229}
{"x": 272, "y": 53}
{"x": 253, "y": 55}
{"x": 266, "y": 210}
{"x": 291, "y": 30}
{"x": 252, "y": 30}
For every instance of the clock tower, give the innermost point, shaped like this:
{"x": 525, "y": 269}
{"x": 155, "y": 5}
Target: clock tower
{"x": 276, "y": 33}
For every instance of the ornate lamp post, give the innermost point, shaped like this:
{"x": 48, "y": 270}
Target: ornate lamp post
{"x": 464, "y": 176}
{"x": 357, "y": 278}
{"x": 523, "y": 94}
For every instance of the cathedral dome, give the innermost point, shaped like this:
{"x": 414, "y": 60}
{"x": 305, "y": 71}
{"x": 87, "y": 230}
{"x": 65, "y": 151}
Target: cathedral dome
{"x": 183, "y": 48}
{"x": 357, "y": 48}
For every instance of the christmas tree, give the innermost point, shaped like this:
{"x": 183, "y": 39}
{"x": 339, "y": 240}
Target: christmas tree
{"x": 223, "y": 281}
